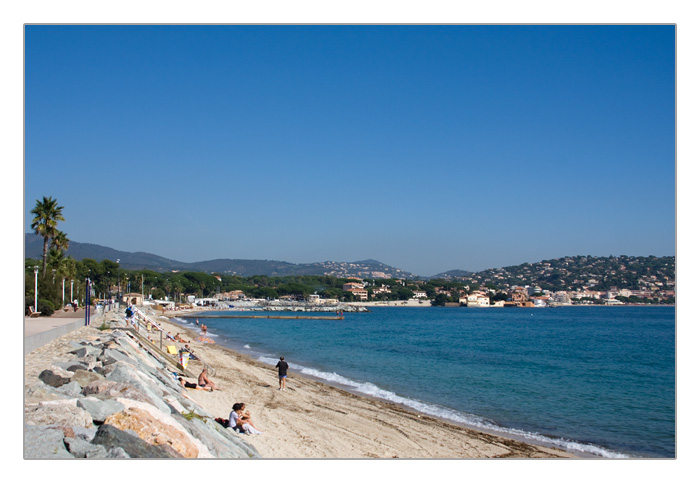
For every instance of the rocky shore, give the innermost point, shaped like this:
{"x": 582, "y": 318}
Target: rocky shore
{"x": 106, "y": 394}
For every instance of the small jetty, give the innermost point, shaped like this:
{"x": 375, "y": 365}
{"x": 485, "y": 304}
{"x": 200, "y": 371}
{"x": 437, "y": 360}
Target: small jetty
{"x": 322, "y": 317}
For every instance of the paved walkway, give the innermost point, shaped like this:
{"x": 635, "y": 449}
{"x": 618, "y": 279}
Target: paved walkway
{"x": 39, "y": 331}
{"x": 36, "y": 325}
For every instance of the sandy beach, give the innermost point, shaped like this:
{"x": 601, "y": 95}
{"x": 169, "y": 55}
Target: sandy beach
{"x": 311, "y": 419}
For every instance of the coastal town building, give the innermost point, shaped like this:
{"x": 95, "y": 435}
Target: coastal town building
{"x": 347, "y": 287}
{"x": 232, "y": 295}
{"x": 477, "y": 299}
{"x": 359, "y": 293}
{"x": 383, "y": 289}
{"x": 519, "y": 299}
{"x": 132, "y": 298}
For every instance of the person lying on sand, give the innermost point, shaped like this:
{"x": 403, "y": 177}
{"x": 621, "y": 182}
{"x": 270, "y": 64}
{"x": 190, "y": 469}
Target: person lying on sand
{"x": 191, "y": 385}
{"x": 180, "y": 339}
{"x": 204, "y": 380}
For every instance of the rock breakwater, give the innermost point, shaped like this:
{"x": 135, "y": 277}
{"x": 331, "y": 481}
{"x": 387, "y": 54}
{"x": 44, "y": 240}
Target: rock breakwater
{"x": 102, "y": 394}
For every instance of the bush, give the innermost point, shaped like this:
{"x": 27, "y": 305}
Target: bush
{"x": 45, "y": 307}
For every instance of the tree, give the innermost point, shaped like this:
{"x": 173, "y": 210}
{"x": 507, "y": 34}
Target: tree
{"x": 47, "y": 215}
{"x": 60, "y": 241}
{"x": 439, "y": 301}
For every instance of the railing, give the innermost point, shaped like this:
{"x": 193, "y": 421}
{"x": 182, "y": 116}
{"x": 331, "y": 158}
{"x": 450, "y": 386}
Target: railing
{"x": 151, "y": 347}
{"x": 145, "y": 322}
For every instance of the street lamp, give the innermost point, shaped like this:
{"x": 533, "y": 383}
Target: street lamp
{"x": 119, "y": 287}
{"x": 36, "y": 286}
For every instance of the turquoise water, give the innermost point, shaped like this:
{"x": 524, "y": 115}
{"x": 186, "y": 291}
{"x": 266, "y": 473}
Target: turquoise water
{"x": 599, "y": 380}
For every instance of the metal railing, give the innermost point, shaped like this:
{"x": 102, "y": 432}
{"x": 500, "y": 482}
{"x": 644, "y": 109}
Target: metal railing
{"x": 141, "y": 321}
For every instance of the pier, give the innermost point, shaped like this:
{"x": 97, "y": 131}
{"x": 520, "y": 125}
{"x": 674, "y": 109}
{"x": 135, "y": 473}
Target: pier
{"x": 322, "y": 317}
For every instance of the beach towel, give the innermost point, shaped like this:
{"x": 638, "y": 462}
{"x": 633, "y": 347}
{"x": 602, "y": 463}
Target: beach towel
{"x": 172, "y": 349}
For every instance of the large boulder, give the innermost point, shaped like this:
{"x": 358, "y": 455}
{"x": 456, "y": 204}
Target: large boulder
{"x": 72, "y": 389}
{"x": 41, "y": 442}
{"x": 84, "y": 377}
{"x": 100, "y": 409}
{"x": 106, "y": 389}
{"x": 126, "y": 373}
{"x": 80, "y": 448}
{"x": 86, "y": 351}
{"x": 38, "y": 391}
{"x": 149, "y": 413}
{"x": 110, "y": 356}
{"x": 133, "y": 446}
{"x": 52, "y": 379}
{"x": 61, "y": 412}
{"x": 153, "y": 431}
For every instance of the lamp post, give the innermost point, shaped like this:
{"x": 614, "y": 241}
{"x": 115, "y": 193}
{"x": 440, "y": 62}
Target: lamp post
{"x": 119, "y": 287}
{"x": 63, "y": 294}
{"x": 36, "y": 286}
{"x": 71, "y": 290}
{"x": 88, "y": 287}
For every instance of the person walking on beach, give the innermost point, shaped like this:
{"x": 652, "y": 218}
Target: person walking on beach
{"x": 282, "y": 367}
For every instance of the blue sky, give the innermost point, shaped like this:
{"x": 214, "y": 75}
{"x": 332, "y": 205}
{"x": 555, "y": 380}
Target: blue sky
{"x": 429, "y": 148}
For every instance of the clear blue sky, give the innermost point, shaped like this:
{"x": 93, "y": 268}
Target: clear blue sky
{"x": 429, "y": 148}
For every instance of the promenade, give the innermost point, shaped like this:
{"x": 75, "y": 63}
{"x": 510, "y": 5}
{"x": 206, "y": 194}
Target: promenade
{"x": 39, "y": 331}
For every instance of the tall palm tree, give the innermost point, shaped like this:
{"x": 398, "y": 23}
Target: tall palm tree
{"x": 47, "y": 215}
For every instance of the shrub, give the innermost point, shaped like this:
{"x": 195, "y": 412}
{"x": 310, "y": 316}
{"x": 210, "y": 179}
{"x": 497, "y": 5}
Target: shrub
{"x": 45, "y": 307}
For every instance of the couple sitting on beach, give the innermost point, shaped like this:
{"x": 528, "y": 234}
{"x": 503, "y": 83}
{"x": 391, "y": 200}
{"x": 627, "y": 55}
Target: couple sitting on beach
{"x": 204, "y": 382}
{"x": 239, "y": 419}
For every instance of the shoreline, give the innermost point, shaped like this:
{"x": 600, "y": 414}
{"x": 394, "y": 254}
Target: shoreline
{"x": 463, "y": 440}
{"x": 312, "y": 419}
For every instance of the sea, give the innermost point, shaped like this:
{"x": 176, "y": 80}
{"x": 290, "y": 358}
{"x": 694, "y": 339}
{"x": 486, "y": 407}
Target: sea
{"x": 596, "y": 381}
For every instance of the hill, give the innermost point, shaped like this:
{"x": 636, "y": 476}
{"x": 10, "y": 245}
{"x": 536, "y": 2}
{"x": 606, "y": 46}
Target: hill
{"x": 33, "y": 247}
{"x": 567, "y": 273}
{"x": 581, "y": 272}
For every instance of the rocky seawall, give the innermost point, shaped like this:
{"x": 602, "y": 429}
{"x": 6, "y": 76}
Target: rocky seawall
{"x": 107, "y": 394}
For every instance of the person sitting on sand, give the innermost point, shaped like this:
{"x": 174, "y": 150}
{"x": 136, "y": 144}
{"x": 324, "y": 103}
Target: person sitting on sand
{"x": 180, "y": 339}
{"x": 204, "y": 380}
{"x": 240, "y": 419}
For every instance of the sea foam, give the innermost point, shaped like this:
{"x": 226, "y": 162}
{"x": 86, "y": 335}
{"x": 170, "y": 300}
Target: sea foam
{"x": 470, "y": 420}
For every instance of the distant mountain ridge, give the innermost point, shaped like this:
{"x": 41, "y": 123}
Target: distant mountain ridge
{"x": 33, "y": 247}
{"x": 566, "y": 273}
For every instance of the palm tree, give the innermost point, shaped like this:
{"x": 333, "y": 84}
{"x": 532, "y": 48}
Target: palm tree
{"x": 47, "y": 215}
{"x": 60, "y": 241}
